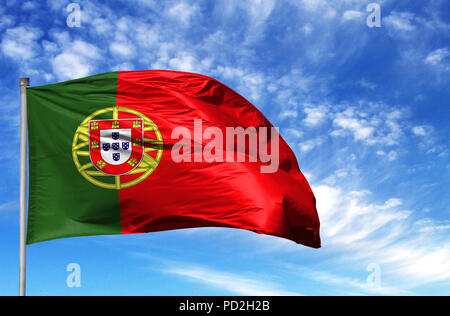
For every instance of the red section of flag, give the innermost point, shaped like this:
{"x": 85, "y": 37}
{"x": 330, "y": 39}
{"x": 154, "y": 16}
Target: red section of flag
{"x": 199, "y": 193}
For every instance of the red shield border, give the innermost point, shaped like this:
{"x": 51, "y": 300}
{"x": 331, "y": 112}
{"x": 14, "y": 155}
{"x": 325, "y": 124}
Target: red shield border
{"x": 137, "y": 144}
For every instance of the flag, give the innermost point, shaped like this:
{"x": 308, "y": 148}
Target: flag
{"x": 144, "y": 151}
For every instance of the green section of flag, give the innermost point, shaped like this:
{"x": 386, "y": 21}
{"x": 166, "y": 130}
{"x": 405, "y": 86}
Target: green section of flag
{"x": 61, "y": 202}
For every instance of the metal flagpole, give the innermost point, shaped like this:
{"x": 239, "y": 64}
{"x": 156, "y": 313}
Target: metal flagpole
{"x": 23, "y": 83}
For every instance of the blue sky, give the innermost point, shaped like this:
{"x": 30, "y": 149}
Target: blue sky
{"x": 366, "y": 111}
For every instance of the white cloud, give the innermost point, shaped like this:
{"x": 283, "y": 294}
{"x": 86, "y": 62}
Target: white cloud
{"x": 122, "y": 49}
{"x": 57, "y": 5}
{"x": 349, "y": 283}
{"x": 437, "y": 56}
{"x": 391, "y": 156}
{"x": 420, "y": 260}
{"x": 291, "y": 135}
{"x": 360, "y": 127}
{"x": 146, "y": 36}
{"x": 337, "y": 176}
{"x": 100, "y": 25}
{"x": 259, "y": 10}
{"x": 253, "y": 15}
{"x": 315, "y": 115}
{"x": 310, "y": 144}
{"x": 184, "y": 62}
{"x": 400, "y": 21}
{"x": 384, "y": 234}
{"x": 346, "y": 219}
{"x": 435, "y": 228}
{"x": 430, "y": 225}
{"x": 21, "y": 43}
{"x": 9, "y": 206}
{"x": 29, "y": 6}
{"x": 254, "y": 84}
{"x": 232, "y": 283}
{"x": 231, "y": 73}
{"x": 85, "y": 49}
{"x": 353, "y": 15}
{"x": 372, "y": 125}
{"x": 293, "y": 86}
{"x": 256, "y": 10}
{"x": 288, "y": 114}
{"x": 70, "y": 66}
{"x": 250, "y": 84}
{"x": 123, "y": 67}
{"x": 76, "y": 60}
{"x": 307, "y": 29}
{"x": 50, "y": 48}
{"x": 310, "y": 5}
{"x": 366, "y": 84}
{"x": 182, "y": 12}
{"x": 6, "y": 21}
{"x": 423, "y": 130}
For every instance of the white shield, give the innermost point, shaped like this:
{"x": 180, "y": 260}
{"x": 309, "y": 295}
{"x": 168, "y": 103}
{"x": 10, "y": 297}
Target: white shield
{"x": 115, "y": 145}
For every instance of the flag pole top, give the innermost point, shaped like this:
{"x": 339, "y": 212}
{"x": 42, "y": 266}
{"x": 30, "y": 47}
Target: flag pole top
{"x": 24, "y": 82}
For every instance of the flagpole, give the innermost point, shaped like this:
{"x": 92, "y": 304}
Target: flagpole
{"x": 23, "y": 83}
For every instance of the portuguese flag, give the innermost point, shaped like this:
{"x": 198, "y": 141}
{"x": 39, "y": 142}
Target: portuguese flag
{"x": 139, "y": 151}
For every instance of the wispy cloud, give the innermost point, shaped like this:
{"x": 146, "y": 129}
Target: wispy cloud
{"x": 400, "y": 21}
{"x": 352, "y": 15}
{"x": 21, "y": 43}
{"x": 422, "y": 130}
{"x": 437, "y": 56}
{"x": 77, "y": 59}
{"x": 237, "y": 284}
{"x": 346, "y": 284}
{"x": 9, "y": 206}
{"x": 383, "y": 233}
{"x": 310, "y": 144}
{"x": 371, "y": 124}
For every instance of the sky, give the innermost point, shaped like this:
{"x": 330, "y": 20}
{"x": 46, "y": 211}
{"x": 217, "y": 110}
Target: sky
{"x": 365, "y": 109}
